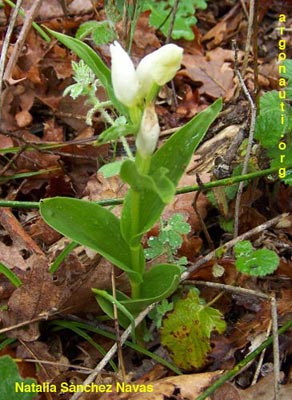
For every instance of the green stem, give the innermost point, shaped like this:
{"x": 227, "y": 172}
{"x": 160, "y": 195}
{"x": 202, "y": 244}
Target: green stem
{"x": 185, "y": 189}
{"x": 127, "y": 148}
{"x": 143, "y": 164}
{"x": 135, "y": 251}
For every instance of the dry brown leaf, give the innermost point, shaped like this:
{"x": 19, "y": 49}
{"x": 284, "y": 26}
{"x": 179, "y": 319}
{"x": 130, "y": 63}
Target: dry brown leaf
{"x": 23, "y": 118}
{"x": 226, "y": 28}
{"x": 37, "y": 295}
{"x": 215, "y": 76}
{"x": 226, "y": 392}
{"x": 264, "y": 390}
{"x": 183, "y": 387}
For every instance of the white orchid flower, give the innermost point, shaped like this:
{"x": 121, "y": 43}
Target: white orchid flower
{"x": 148, "y": 134}
{"x": 159, "y": 67}
{"x": 124, "y": 77}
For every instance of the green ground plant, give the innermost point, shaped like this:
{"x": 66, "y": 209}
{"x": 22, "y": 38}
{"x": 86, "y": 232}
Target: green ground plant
{"x": 161, "y": 16}
{"x": 151, "y": 175}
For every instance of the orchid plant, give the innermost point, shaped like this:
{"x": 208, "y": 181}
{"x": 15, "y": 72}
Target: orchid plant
{"x": 152, "y": 175}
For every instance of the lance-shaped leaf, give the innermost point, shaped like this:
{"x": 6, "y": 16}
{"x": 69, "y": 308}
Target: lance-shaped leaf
{"x": 174, "y": 156}
{"x": 90, "y": 225}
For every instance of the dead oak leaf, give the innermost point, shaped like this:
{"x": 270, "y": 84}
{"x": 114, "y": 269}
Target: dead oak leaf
{"x": 215, "y": 76}
{"x": 180, "y": 387}
{"x": 36, "y": 296}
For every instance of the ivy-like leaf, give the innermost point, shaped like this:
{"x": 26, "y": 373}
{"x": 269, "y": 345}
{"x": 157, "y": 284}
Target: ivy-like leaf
{"x": 255, "y": 262}
{"x": 187, "y": 329}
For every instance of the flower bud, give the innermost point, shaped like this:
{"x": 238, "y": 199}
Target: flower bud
{"x": 124, "y": 78}
{"x": 159, "y": 67}
{"x": 148, "y": 134}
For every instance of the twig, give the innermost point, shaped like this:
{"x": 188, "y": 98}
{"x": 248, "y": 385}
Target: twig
{"x": 22, "y": 36}
{"x": 248, "y": 46}
{"x": 5, "y": 49}
{"x": 255, "y": 52}
{"x": 231, "y": 243}
{"x": 171, "y": 25}
{"x": 261, "y": 359}
{"x": 113, "y": 350}
{"x": 249, "y": 145}
{"x": 244, "y": 8}
{"x": 79, "y": 368}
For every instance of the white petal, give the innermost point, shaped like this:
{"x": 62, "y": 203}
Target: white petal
{"x": 124, "y": 78}
{"x": 160, "y": 66}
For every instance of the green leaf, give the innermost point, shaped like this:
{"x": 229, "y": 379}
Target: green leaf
{"x": 158, "y": 183}
{"x": 115, "y": 132}
{"x": 288, "y": 177}
{"x": 111, "y": 169}
{"x": 85, "y": 29}
{"x": 106, "y": 301}
{"x": 10, "y": 275}
{"x": 90, "y": 225}
{"x": 178, "y": 224}
{"x": 161, "y": 16}
{"x": 255, "y": 262}
{"x": 174, "y": 156}
{"x": 103, "y": 34}
{"x": 269, "y": 129}
{"x": 100, "y": 32}
{"x": 88, "y": 55}
{"x": 158, "y": 283}
{"x": 10, "y": 380}
{"x": 187, "y": 329}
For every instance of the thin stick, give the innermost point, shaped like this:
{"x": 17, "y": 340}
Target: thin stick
{"x": 173, "y": 15}
{"x": 22, "y": 36}
{"x": 276, "y": 351}
{"x": 249, "y": 145}
{"x": 113, "y": 350}
{"x": 79, "y": 368}
{"x": 261, "y": 359}
{"x": 5, "y": 49}
{"x": 249, "y": 36}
